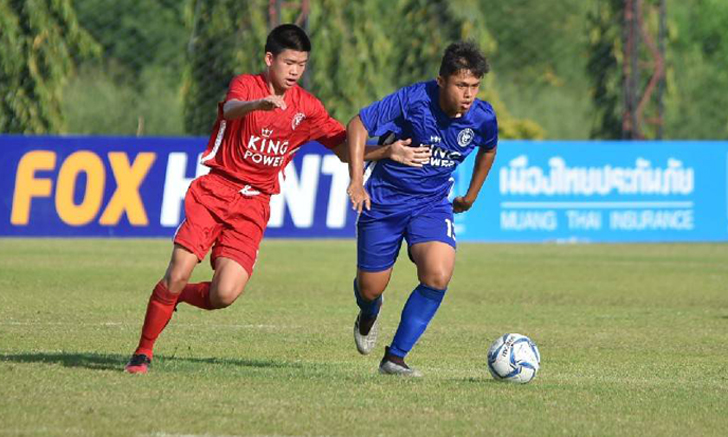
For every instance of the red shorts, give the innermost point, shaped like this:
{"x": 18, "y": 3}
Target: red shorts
{"x": 217, "y": 212}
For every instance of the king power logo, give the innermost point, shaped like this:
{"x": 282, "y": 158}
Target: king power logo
{"x": 265, "y": 150}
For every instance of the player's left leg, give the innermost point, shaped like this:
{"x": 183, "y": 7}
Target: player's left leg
{"x": 435, "y": 264}
{"x": 228, "y": 283}
{"x": 236, "y": 250}
{"x": 226, "y": 286}
{"x": 432, "y": 248}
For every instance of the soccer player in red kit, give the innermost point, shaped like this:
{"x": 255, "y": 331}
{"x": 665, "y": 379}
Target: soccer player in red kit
{"x": 264, "y": 119}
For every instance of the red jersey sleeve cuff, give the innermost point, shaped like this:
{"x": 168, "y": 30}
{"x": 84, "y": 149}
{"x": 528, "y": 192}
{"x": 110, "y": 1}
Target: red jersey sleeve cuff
{"x": 332, "y": 141}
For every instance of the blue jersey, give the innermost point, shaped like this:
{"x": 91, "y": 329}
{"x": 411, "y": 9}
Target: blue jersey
{"x": 414, "y": 112}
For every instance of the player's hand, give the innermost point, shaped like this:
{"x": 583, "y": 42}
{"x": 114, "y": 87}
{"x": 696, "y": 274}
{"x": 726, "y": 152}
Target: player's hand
{"x": 461, "y": 204}
{"x": 358, "y": 196}
{"x": 270, "y": 103}
{"x": 412, "y": 156}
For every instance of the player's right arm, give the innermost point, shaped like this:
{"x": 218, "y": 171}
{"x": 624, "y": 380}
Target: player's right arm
{"x": 241, "y": 100}
{"x": 398, "y": 151}
{"x": 240, "y": 108}
{"x": 375, "y": 120}
{"x": 356, "y": 135}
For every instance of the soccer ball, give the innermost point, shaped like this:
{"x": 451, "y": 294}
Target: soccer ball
{"x": 513, "y": 358}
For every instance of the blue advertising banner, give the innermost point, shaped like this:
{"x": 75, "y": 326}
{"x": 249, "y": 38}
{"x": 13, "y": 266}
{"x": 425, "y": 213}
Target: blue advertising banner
{"x": 593, "y": 191}
{"x": 586, "y": 191}
{"x": 135, "y": 187}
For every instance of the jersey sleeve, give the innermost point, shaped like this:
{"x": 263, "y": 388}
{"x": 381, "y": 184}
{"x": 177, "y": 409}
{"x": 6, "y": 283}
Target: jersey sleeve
{"x": 382, "y": 116}
{"x": 239, "y": 88}
{"x": 489, "y": 133}
{"x": 324, "y": 128}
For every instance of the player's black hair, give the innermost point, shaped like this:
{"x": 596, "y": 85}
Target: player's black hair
{"x": 287, "y": 36}
{"x": 464, "y": 55}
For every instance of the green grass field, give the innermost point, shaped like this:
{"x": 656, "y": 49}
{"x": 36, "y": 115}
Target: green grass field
{"x": 633, "y": 342}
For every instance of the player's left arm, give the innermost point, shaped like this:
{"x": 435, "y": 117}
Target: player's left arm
{"x": 483, "y": 163}
{"x": 327, "y": 131}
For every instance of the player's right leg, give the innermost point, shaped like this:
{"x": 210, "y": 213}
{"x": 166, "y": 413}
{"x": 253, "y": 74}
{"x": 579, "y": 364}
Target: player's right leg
{"x": 379, "y": 238}
{"x": 161, "y": 306}
{"x": 368, "y": 289}
{"x": 192, "y": 242}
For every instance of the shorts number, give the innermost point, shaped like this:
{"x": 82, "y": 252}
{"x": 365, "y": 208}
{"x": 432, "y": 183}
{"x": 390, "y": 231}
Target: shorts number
{"x": 450, "y": 229}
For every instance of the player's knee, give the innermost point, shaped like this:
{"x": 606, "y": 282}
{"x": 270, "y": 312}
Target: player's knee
{"x": 176, "y": 280}
{"x": 371, "y": 294}
{"x": 370, "y": 291}
{"x": 438, "y": 279}
{"x": 223, "y": 297}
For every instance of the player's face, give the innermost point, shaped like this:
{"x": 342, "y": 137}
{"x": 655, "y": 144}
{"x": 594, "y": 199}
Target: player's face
{"x": 285, "y": 68}
{"x": 457, "y": 92}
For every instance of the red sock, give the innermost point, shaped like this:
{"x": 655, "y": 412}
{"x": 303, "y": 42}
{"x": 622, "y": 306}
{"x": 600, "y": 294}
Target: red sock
{"x": 159, "y": 312}
{"x": 197, "y": 295}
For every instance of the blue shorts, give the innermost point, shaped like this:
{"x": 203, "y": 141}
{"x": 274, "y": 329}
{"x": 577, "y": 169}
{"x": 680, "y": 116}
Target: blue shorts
{"x": 380, "y": 232}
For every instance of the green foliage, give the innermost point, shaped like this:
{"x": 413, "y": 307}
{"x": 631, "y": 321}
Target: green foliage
{"x": 38, "y": 44}
{"x": 541, "y": 42}
{"x": 424, "y": 28}
{"x": 136, "y": 87}
{"x": 228, "y": 38}
{"x": 95, "y": 102}
{"x": 351, "y": 62}
{"x": 510, "y": 127}
{"x": 359, "y": 54}
{"x": 556, "y": 64}
{"x": 538, "y": 68}
{"x": 604, "y": 68}
{"x": 136, "y": 34}
{"x": 698, "y": 61}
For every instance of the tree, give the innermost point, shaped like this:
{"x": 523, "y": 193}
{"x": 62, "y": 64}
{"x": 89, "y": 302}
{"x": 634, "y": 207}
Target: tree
{"x": 359, "y": 55}
{"x": 38, "y": 44}
{"x": 227, "y": 38}
{"x": 698, "y": 61}
{"x": 136, "y": 34}
{"x": 352, "y": 59}
{"x": 424, "y": 28}
{"x": 604, "y": 68}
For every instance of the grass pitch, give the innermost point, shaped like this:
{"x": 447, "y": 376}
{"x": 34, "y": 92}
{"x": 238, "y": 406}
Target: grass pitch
{"x": 633, "y": 340}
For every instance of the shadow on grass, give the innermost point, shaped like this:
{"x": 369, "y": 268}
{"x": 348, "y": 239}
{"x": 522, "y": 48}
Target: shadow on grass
{"x": 97, "y": 361}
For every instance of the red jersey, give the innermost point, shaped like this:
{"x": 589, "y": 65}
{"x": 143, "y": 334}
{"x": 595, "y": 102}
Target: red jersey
{"x": 255, "y": 149}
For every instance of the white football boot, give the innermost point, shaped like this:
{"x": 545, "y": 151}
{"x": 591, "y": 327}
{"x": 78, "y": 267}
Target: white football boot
{"x": 365, "y": 343}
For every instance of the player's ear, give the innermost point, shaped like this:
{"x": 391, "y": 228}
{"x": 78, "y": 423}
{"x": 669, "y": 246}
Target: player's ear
{"x": 440, "y": 81}
{"x": 269, "y": 58}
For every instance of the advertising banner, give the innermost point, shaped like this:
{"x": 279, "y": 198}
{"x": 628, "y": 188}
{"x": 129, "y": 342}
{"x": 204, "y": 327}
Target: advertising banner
{"x": 561, "y": 191}
{"x": 598, "y": 191}
{"x": 135, "y": 187}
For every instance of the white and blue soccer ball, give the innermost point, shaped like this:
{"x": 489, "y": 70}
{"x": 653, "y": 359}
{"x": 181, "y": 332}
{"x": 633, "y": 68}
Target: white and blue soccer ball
{"x": 514, "y": 358}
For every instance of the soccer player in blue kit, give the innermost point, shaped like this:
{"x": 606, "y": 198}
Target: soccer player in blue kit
{"x": 395, "y": 201}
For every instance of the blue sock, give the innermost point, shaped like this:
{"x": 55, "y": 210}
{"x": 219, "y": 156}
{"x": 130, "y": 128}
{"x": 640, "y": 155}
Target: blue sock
{"x": 416, "y": 315}
{"x": 369, "y": 308}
